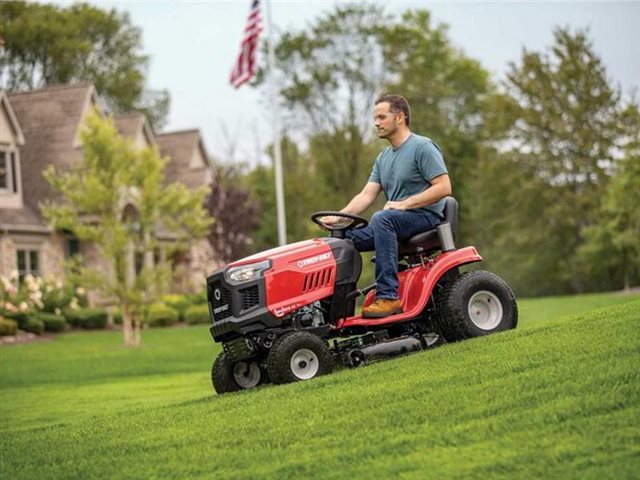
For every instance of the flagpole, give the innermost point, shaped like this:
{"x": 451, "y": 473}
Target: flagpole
{"x": 277, "y": 150}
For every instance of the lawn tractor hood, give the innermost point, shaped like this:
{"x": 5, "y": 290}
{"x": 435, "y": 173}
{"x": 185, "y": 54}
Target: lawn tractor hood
{"x": 257, "y": 292}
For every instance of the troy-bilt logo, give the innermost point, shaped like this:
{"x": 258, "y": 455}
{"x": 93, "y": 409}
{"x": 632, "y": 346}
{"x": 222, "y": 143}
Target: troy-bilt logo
{"x": 221, "y": 309}
{"x": 311, "y": 260}
{"x": 281, "y": 311}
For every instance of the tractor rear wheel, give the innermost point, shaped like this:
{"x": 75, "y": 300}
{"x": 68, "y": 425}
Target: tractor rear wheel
{"x": 299, "y": 356}
{"x": 475, "y": 304}
{"x": 227, "y": 376}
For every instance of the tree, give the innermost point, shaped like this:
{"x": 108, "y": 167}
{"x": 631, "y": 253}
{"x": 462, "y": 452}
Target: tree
{"x": 611, "y": 249}
{"x": 329, "y": 76}
{"x": 332, "y": 73}
{"x": 48, "y": 44}
{"x": 236, "y": 214}
{"x": 448, "y": 93}
{"x": 557, "y": 153}
{"x": 302, "y": 197}
{"x": 115, "y": 197}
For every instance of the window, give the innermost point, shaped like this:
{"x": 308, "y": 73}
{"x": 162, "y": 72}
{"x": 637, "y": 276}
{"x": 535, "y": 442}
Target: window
{"x": 73, "y": 247}
{"x": 8, "y": 171}
{"x": 28, "y": 263}
{"x": 4, "y": 170}
{"x": 139, "y": 262}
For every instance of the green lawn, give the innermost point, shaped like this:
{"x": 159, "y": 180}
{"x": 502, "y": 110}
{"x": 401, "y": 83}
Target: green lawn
{"x": 556, "y": 398}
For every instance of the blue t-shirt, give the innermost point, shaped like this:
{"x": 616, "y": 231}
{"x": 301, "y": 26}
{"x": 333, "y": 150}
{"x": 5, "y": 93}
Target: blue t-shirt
{"x": 409, "y": 170}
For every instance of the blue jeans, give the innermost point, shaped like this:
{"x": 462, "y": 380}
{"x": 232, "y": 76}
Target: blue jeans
{"x": 386, "y": 228}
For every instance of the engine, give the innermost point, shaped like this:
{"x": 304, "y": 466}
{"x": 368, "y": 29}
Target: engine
{"x": 309, "y": 316}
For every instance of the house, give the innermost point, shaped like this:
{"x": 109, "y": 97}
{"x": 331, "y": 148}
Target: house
{"x": 189, "y": 165}
{"x": 41, "y": 127}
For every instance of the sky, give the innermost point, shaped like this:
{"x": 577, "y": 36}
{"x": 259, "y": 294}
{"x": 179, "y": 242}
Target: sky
{"x": 193, "y": 45}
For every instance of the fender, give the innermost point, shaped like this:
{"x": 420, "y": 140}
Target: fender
{"x": 416, "y": 285}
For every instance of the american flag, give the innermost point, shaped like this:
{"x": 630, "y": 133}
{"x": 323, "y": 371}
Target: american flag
{"x": 245, "y": 65}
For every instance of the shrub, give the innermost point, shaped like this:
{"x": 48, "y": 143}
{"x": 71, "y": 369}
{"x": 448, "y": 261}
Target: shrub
{"x": 34, "y": 325}
{"x": 199, "y": 298}
{"x": 52, "y": 323}
{"x": 116, "y": 317}
{"x": 54, "y": 298}
{"x": 89, "y": 318}
{"x": 21, "y": 318}
{"x": 179, "y": 303}
{"x": 197, "y": 314}
{"x": 159, "y": 315}
{"x": 8, "y": 327}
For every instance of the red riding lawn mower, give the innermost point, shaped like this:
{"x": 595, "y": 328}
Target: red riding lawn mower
{"x": 288, "y": 314}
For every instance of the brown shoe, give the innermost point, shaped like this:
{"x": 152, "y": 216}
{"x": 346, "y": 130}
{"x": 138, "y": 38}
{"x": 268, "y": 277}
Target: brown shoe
{"x": 382, "y": 307}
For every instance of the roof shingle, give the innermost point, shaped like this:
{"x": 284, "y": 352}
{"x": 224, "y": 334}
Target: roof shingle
{"x": 49, "y": 118}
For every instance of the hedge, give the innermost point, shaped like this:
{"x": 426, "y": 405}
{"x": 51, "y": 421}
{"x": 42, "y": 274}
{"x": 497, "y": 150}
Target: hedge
{"x": 89, "y": 318}
{"x": 197, "y": 314}
{"x": 8, "y": 327}
{"x": 199, "y": 298}
{"x": 33, "y": 325}
{"x": 21, "y": 318}
{"x": 116, "y": 317}
{"x": 180, "y": 303}
{"x": 52, "y": 323}
{"x": 160, "y": 315}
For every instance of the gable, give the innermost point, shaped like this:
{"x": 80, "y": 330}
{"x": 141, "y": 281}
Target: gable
{"x": 198, "y": 159}
{"x": 135, "y": 127}
{"x": 10, "y": 131}
{"x": 90, "y": 102}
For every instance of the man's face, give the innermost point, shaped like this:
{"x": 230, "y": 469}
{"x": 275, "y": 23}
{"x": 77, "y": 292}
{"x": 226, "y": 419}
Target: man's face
{"x": 386, "y": 122}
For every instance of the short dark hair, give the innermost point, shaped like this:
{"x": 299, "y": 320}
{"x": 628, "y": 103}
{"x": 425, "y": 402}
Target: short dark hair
{"x": 397, "y": 104}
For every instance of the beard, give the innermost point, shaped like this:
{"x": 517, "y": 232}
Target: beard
{"x": 386, "y": 133}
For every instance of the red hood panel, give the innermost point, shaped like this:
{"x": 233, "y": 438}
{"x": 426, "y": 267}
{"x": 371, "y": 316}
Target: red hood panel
{"x": 279, "y": 254}
{"x": 300, "y": 273}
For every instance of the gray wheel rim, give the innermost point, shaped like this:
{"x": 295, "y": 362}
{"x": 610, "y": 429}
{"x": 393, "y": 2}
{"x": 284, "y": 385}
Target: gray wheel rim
{"x": 485, "y": 310}
{"x": 247, "y": 375}
{"x": 304, "y": 364}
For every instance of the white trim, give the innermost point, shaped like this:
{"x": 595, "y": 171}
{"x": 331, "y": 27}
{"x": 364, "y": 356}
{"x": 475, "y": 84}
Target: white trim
{"x": 91, "y": 100}
{"x": 12, "y": 118}
{"x": 28, "y": 270}
{"x": 12, "y": 194}
{"x": 147, "y": 131}
{"x": 38, "y": 229}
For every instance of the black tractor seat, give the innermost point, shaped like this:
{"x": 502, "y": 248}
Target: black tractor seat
{"x": 441, "y": 237}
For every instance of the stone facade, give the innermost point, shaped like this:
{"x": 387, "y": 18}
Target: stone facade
{"x": 8, "y": 257}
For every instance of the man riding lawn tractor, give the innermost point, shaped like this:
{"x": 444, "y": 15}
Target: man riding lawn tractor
{"x": 275, "y": 312}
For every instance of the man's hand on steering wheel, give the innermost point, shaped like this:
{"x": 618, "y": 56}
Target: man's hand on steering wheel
{"x": 331, "y": 220}
{"x": 338, "y": 222}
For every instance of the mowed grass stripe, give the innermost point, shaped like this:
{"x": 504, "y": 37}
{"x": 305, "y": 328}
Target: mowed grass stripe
{"x": 554, "y": 399}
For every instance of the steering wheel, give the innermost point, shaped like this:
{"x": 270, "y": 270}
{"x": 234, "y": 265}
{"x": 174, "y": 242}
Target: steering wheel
{"x": 339, "y": 230}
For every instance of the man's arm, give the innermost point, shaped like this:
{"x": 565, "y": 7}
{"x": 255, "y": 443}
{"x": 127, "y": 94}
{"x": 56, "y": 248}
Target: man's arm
{"x": 359, "y": 203}
{"x": 364, "y": 199}
{"x": 440, "y": 188}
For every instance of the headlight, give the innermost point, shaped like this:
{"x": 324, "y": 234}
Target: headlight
{"x": 246, "y": 273}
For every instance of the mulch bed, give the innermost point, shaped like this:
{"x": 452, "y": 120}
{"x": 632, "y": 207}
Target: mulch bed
{"x": 25, "y": 337}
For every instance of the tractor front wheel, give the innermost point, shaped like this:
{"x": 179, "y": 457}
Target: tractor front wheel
{"x": 227, "y": 376}
{"x": 299, "y": 356}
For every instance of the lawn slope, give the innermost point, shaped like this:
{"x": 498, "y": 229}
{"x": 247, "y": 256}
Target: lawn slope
{"x": 556, "y": 398}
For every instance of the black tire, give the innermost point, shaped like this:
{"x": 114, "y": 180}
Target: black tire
{"x": 229, "y": 377}
{"x": 475, "y": 304}
{"x": 299, "y": 356}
